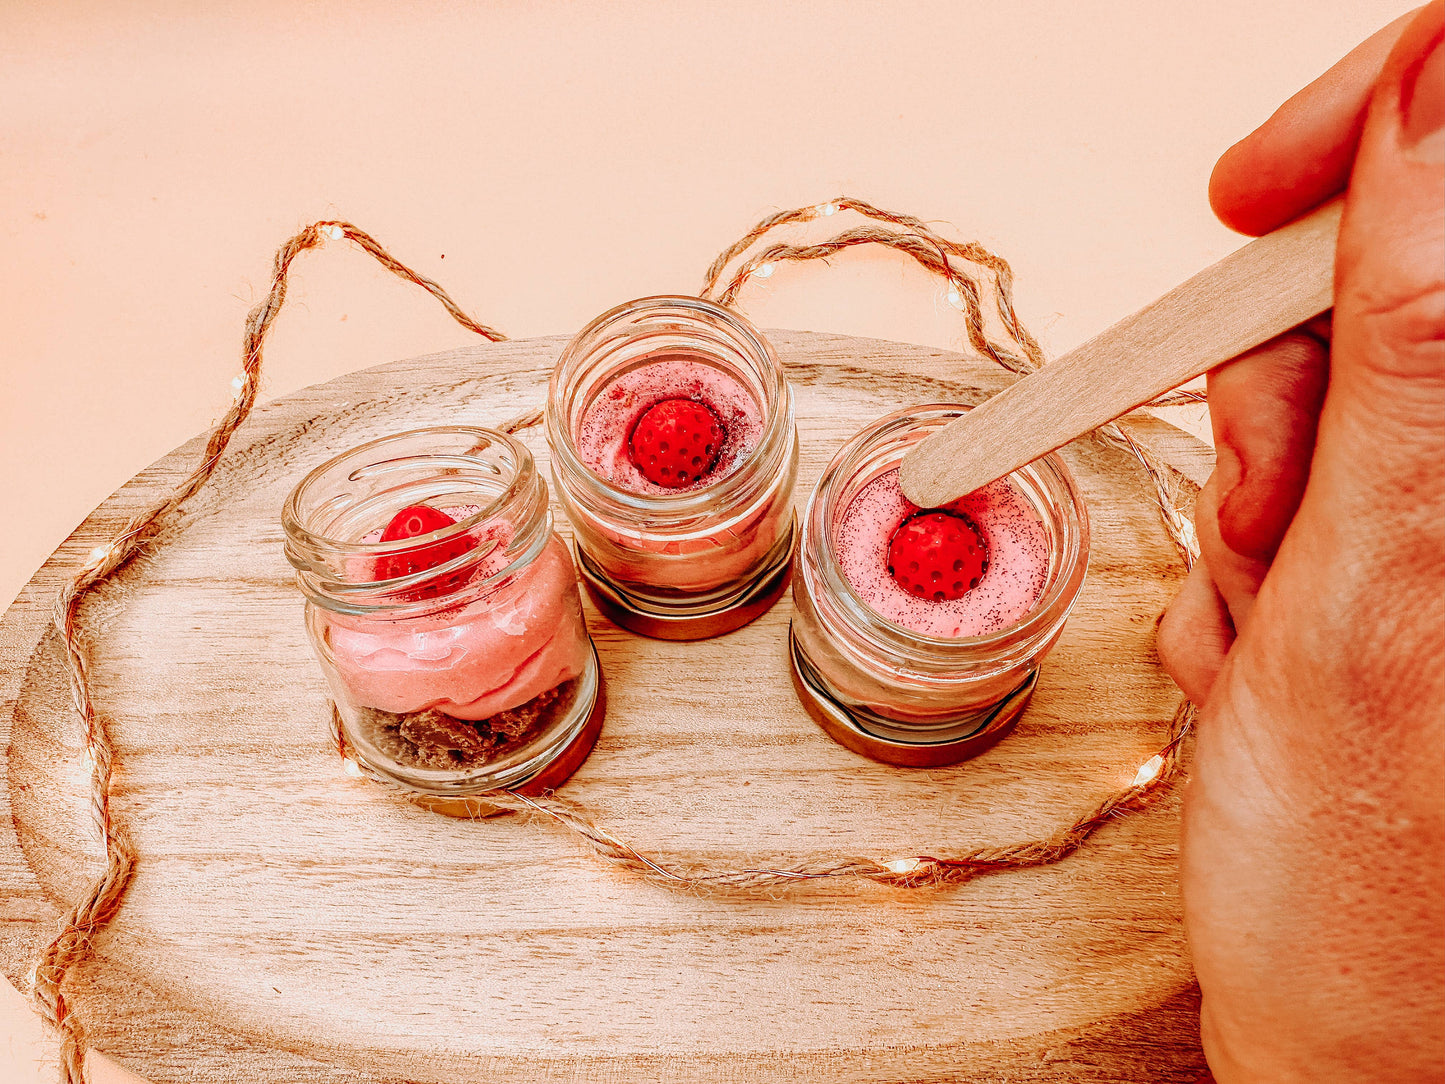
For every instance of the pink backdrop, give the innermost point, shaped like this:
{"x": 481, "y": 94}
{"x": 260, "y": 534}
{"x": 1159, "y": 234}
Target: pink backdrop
{"x": 545, "y": 161}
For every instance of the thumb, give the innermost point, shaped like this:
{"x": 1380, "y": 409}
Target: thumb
{"x": 1357, "y": 589}
{"x": 1383, "y": 433}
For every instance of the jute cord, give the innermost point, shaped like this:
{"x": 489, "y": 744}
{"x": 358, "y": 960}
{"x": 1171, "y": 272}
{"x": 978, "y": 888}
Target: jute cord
{"x": 980, "y": 279}
{"x": 72, "y": 946}
{"x": 917, "y": 871}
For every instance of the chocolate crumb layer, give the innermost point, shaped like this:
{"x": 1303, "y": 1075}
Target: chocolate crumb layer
{"x": 432, "y": 739}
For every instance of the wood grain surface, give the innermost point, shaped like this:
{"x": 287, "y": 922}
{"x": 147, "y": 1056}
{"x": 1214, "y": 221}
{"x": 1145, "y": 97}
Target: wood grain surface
{"x": 288, "y": 923}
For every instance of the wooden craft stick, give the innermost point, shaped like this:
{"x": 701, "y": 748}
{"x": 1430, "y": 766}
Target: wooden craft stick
{"x": 1265, "y": 288}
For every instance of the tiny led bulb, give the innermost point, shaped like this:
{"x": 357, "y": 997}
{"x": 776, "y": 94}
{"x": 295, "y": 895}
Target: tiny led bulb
{"x": 904, "y": 865}
{"x": 97, "y": 555}
{"x": 80, "y": 774}
{"x": 826, "y": 209}
{"x": 333, "y": 232}
{"x": 351, "y": 768}
{"x": 1149, "y": 770}
{"x": 764, "y": 270}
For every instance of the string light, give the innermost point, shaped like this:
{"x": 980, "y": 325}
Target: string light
{"x": 1186, "y": 531}
{"x": 956, "y": 870}
{"x": 237, "y": 383}
{"x": 108, "y": 892}
{"x": 1149, "y": 771}
{"x": 32, "y": 976}
{"x": 81, "y": 773}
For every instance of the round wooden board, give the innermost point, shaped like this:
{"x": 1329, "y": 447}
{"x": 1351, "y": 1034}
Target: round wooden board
{"x": 288, "y": 923}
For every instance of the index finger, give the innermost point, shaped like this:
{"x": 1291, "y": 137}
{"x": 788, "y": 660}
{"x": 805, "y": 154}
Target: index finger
{"x": 1302, "y": 155}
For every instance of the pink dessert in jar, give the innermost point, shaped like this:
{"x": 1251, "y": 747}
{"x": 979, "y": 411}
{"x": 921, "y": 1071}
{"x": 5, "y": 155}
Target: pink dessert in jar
{"x": 675, "y": 453}
{"x": 918, "y": 632}
{"x": 978, "y": 564}
{"x": 445, "y": 612}
{"x": 518, "y": 637}
{"x": 671, "y": 427}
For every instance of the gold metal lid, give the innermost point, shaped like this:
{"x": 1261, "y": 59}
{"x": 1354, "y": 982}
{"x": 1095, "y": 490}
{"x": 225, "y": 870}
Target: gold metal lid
{"x": 850, "y": 730}
{"x": 693, "y": 622}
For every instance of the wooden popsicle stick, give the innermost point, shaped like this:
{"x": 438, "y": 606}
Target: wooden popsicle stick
{"x": 1265, "y": 288}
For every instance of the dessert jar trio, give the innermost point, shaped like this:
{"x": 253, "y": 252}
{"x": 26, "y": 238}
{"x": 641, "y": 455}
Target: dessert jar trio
{"x": 445, "y": 610}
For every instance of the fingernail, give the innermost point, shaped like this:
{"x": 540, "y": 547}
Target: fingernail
{"x": 1237, "y": 524}
{"x": 1228, "y": 469}
{"x": 1422, "y": 105}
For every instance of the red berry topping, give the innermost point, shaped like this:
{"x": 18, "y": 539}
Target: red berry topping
{"x": 937, "y": 556}
{"x": 675, "y": 442}
{"x": 419, "y": 519}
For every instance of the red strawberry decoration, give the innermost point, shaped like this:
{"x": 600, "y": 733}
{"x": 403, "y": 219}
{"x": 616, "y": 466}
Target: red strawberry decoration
{"x": 675, "y": 442}
{"x": 411, "y": 522}
{"x": 938, "y": 556}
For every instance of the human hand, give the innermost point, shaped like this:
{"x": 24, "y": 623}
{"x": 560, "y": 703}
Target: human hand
{"x": 1312, "y": 631}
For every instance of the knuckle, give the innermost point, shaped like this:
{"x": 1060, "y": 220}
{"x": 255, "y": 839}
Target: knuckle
{"x": 1267, "y": 410}
{"x": 1294, "y": 355}
{"x": 1206, "y": 512}
{"x": 1224, "y": 535}
{"x": 1278, "y": 368}
{"x": 1390, "y": 363}
{"x": 1381, "y": 646}
{"x": 1242, "y": 512}
{"x": 1401, "y": 333}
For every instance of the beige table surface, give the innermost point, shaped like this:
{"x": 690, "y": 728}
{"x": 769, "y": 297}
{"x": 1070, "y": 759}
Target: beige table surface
{"x": 545, "y": 161}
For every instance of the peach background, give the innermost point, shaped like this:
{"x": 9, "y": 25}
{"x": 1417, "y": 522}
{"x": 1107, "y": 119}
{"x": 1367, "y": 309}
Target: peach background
{"x": 545, "y": 161}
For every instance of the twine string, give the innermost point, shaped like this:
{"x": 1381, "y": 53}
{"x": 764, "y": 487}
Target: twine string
{"x": 917, "y": 871}
{"x": 74, "y": 943}
{"x": 933, "y": 251}
{"x": 908, "y": 225}
{"x": 1169, "y": 488}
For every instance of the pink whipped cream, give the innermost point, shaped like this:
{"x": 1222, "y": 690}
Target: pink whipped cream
{"x": 1018, "y": 559}
{"x": 607, "y": 423}
{"x": 520, "y": 637}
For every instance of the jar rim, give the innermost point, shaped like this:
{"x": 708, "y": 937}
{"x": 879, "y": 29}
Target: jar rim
{"x": 1041, "y": 616}
{"x": 293, "y": 521}
{"x": 777, "y": 407}
{"x": 322, "y": 561}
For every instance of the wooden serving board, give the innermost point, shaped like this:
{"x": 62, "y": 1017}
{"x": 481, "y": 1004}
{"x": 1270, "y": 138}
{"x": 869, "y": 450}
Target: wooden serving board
{"x": 290, "y": 924}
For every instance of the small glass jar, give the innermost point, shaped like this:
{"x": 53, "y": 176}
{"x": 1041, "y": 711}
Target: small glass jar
{"x": 458, "y": 658}
{"x": 924, "y": 699}
{"x": 694, "y": 561}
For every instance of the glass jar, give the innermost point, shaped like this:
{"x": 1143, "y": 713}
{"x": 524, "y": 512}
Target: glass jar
{"x": 910, "y": 680}
{"x": 710, "y": 548}
{"x": 446, "y": 615}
